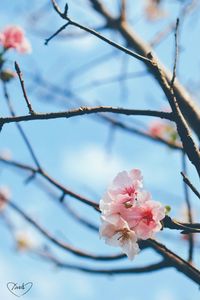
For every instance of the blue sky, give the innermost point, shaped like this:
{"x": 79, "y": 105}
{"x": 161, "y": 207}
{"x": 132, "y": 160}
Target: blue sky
{"x": 76, "y": 152}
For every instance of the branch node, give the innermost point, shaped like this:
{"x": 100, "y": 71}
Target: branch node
{"x": 61, "y": 199}
{"x": 150, "y": 55}
{"x": 30, "y": 178}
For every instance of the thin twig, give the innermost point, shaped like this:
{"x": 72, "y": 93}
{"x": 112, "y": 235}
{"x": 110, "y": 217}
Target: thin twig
{"x": 176, "y": 54}
{"x": 28, "y": 103}
{"x": 56, "y": 33}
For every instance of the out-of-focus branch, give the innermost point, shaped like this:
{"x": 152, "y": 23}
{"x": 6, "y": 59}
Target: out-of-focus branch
{"x": 111, "y": 79}
{"x": 130, "y": 129}
{"x": 63, "y": 189}
{"x": 83, "y": 221}
{"x": 136, "y": 270}
{"x": 60, "y": 243}
{"x": 185, "y": 11}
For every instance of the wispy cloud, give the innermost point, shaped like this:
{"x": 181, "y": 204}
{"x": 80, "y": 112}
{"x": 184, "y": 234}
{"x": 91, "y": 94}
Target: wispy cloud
{"x": 92, "y": 165}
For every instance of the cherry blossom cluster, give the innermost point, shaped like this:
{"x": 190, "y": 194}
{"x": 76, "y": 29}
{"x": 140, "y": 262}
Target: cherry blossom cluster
{"x": 128, "y": 213}
{"x": 13, "y": 37}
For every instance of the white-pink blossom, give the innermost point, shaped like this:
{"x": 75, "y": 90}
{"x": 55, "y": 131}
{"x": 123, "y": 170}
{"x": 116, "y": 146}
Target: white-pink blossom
{"x": 117, "y": 233}
{"x": 122, "y": 193}
{"x": 14, "y": 37}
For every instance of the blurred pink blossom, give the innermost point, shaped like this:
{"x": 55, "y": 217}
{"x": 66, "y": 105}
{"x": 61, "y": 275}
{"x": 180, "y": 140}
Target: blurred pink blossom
{"x": 154, "y": 11}
{"x": 157, "y": 129}
{"x": 4, "y": 197}
{"x": 14, "y": 37}
{"x": 164, "y": 130}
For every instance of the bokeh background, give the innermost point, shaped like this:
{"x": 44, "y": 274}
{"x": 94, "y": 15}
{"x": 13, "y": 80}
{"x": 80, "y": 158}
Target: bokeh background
{"x": 85, "y": 153}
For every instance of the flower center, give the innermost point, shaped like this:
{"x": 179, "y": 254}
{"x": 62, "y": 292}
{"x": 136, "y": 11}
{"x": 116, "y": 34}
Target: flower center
{"x": 124, "y": 234}
{"x": 132, "y": 197}
{"x": 130, "y": 190}
{"x": 147, "y": 217}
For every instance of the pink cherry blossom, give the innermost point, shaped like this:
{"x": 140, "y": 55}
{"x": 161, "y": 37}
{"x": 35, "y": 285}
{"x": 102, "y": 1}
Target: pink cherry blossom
{"x": 117, "y": 233}
{"x": 14, "y": 37}
{"x": 122, "y": 193}
{"x": 147, "y": 219}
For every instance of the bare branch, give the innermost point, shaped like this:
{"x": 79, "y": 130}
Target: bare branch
{"x": 87, "y": 110}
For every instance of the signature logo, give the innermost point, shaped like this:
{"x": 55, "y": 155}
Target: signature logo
{"x": 19, "y": 290}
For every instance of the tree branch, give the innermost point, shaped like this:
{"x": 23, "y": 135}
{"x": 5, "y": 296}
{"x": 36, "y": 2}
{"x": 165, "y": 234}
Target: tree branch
{"x": 86, "y": 111}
